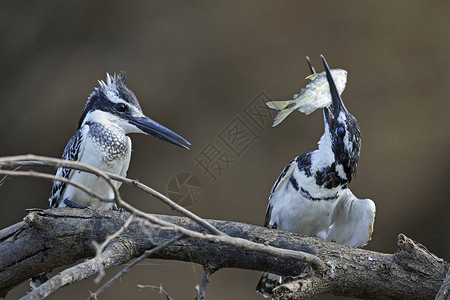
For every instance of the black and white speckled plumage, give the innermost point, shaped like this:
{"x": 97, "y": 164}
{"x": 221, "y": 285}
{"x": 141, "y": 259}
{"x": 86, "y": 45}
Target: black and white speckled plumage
{"x": 70, "y": 153}
{"x": 311, "y": 195}
{"x": 110, "y": 140}
{"x": 112, "y": 111}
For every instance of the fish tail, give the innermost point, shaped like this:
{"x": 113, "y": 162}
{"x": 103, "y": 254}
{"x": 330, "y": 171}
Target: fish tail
{"x": 281, "y": 116}
{"x": 285, "y": 108}
{"x": 278, "y": 105}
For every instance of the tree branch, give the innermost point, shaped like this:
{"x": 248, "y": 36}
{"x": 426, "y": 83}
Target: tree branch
{"x": 444, "y": 291}
{"x": 125, "y": 270}
{"x": 51, "y": 238}
{"x": 35, "y": 160}
{"x": 117, "y": 253}
{"x": 391, "y": 280}
{"x": 207, "y": 272}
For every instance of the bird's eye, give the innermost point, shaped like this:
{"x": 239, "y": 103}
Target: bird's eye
{"x": 120, "y": 107}
{"x": 341, "y": 131}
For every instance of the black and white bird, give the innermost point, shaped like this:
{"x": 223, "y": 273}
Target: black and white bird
{"x": 311, "y": 196}
{"x": 111, "y": 112}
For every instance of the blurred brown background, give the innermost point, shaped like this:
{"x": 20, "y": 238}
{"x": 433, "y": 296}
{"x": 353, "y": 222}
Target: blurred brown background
{"x": 195, "y": 66}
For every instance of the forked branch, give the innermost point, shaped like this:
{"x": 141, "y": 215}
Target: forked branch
{"x": 51, "y": 238}
{"x": 361, "y": 270}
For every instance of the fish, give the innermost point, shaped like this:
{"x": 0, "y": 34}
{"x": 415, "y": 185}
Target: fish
{"x": 315, "y": 95}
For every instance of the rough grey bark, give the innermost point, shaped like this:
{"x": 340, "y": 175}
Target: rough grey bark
{"x": 361, "y": 275}
{"x": 444, "y": 291}
{"x": 50, "y": 238}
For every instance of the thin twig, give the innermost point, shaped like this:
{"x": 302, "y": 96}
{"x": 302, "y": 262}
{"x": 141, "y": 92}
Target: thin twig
{"x": 132, "y": 264}
{"x": 101, "y": 247}
{"x": 218, "y": 238}
{"x": 224, "y": 239}
{"x": 157, "y": 288}
{"x": 239, "y": 243}
{"x": 35, "y": 160}
{"x": 167, "y": 201}
{"x": 35, "y": 174}
{"x": 207, "y": 272}
{"x": 2, "y": 181}
{"x": 111, "y": 257}
{"x": 42, "y": 160}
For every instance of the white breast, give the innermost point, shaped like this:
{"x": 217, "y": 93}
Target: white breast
{"x": 293, "y": 212}
{"x": 96, "y": 154}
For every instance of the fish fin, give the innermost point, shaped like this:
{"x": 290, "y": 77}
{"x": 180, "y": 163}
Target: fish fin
{"x": 312, "y": 76}
{"x": 278, "y": 105}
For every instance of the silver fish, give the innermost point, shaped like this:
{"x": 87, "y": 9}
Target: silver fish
{"x": 315, "y": 95}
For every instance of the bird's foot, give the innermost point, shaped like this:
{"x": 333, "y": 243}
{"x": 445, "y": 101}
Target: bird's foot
{"x": 115, "y": 207}
{"x": 39, "y": 279}
{"x": 72, "y": 204}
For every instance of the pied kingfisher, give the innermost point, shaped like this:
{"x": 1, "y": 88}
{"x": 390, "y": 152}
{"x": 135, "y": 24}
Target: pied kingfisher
{"x": 111, "y": 112}
{"x": 311, "y": 196}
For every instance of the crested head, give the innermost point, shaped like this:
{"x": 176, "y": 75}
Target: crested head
{"x": 115, "y": 88}
{"x": 113, "y": 104}
{"x": 111, "y": 93}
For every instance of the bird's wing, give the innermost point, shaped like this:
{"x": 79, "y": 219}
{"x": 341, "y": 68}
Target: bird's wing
{"x": 279, "y": 183}
{"x": 353, "y": 220}
{"x": 71, "y": 152}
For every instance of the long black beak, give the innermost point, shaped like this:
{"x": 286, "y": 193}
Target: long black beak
{"x": 337, "y": 103}
{"x": 155, "y": 129}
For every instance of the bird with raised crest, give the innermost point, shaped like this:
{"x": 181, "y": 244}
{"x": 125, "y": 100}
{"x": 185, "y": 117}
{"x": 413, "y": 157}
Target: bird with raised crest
{"x": 111, "y": 112}
{"x": 311, "y": 196}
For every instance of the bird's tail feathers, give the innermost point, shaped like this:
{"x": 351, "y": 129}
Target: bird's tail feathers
{"x": 267, "y": 283}
{"x": 285, "y": 108}
{"x": 352, "y": 221}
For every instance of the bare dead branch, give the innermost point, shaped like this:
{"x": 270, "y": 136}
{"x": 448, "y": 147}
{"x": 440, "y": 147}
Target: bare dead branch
{"x": 167, "y": 201}
{"x": 207, "y": 272}
{"x": 243, "y": 244}
{"x": 101, "y": 247}
{"x": 44, "y": 290}
{"x": 34, "y": 174}
{"x": 157, "y": 288}
{"x": 2, "y": 181}
{"x": 345, "y": 279}
{"x": 34, "y": 160}
{"x": 68, "y": 233}
{"x": 115, "y": 254}
{"x": 30, "y": 159}
{"x": 231, "y": 245}
{"x": 125, "y": 270}
{"x": 444, "y": 291}
{"x": 235, "y": 242}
